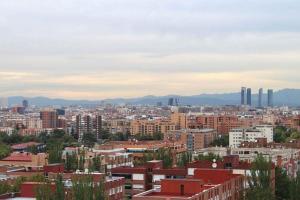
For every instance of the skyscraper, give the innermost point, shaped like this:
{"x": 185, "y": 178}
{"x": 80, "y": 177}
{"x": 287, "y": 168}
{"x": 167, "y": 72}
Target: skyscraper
{"x": 84, "y": 125}
{"x": 25, "y": 104}
{"x": 260, "y": 97}
{"x": 170, "y": 101}
{"x": 99, "y": 127}
{"x": 270, "y": 97}
{"x": 249, "y": 97}
{"x": 243, "y": 96}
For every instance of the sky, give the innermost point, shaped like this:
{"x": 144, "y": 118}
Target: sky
{"x": 97, "y": 49}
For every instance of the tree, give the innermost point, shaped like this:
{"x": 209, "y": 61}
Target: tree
{"x": 222, "y": 140}
{"x": 282, "y": 182}
{"x": 260, "y": 180}
{"x": 44, "y": 192}
{"x": 4, "y": 150}
{"x": 81, "y": 160}
{"x": 33, "y": 149}
{"x": 17, "y": 184}
{"x": 294, "y": 188}
{"x": 209, "y": 157}
{"x": 59, "y": 189}
{"x": 55, "y": 153}
{"x": 89, "y": 139}
{"x": 97, "y": 163}
{"x": 184, "y": 159}
{"x": 4, "y": 188}
{"x": 71, "y": 162}
{"x": 100, "y": 193}
{"x": 82, "y": 188}
{"x": 164, "y": 154}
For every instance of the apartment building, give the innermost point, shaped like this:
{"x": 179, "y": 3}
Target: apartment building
{"x": 49, "y": 118}
{"x": 237, "y": 136}
{"x": 195, "y": 139}
{"x": 149, "y": 127}
{"x": 203, "y": 185}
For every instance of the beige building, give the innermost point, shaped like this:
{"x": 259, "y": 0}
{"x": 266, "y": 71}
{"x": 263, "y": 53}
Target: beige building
{"x": 25, "y": 159}
{"x": 149, "y": 127}
{"x": 194, "y": 139}
{"x": 180, "y": 120}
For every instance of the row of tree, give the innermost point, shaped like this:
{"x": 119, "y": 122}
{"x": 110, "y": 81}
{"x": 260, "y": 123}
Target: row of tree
{"x": 164, "y": 154}
{"x": 7, "y": 188}
{"x": 83, "y": 188}
{"x": 284, "y": 134}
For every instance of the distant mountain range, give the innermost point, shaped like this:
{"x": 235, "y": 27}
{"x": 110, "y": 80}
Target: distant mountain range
{"x": 290, "y": 97}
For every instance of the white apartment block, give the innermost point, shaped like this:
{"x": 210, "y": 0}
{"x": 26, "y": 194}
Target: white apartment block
{"x": 237, "y": 136}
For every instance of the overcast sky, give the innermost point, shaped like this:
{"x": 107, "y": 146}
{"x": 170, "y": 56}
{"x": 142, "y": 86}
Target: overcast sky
{"x": 93, "y": 49}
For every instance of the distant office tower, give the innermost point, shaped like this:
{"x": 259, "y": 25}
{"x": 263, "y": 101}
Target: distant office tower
{"x": 84, "y": 125}
{"x": 159, "y": 104}
{"x": 171, "y": 102}
{"x": 176, "y": 102}
{"x": 49, "y": 118}
{"x": 61, "y": 111}
{"x": 3, "y": 102}
{"x": 243, "y": 96}
{"x": 249, "y": 96}
{"x": 99, "y": 127}
{"x": 270, "y": 97}
{"x": 25, "y": 104}
{"x": 260, "y": 97}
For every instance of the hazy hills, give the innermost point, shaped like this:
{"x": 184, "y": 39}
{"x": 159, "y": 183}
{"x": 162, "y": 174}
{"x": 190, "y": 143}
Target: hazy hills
{"x": 290, "y": 97}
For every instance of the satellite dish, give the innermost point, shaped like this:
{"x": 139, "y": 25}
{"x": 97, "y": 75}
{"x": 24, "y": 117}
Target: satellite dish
{"x": 214, "y": 165}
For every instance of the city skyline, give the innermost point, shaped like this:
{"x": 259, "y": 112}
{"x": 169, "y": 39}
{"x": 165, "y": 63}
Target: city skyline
{"x": 107, "y": 49}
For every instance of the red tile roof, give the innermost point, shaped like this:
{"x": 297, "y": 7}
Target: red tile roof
{"x": 24, "y": 145}
{"x": 19, "y": 157}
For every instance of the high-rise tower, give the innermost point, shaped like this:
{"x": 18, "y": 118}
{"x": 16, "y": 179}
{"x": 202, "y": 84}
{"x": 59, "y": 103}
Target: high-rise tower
{"x": 260, "y": 97}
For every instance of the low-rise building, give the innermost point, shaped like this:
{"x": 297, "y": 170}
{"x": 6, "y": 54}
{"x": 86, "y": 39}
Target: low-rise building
{"x": 237, "y": 136}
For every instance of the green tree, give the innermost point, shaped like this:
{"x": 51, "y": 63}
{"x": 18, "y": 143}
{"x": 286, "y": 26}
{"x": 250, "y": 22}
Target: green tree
{"x": 4, "y": 188}
{"x": 184, "y": 159}
{"x": 4, "y": 150}
{"x": 71, "y": 162}
{"x": 100, "y": 193}
{"x": 44, "y": 192}
{"x": 33, "y": 149}
{"x": 81, "y": 160}
{"x": 89, "y": 139}
{"x": 82, "y": 188}
{"x": 260, "y": 180}
{"x": 97, "y": 163}
{"x": 209, "y": 157}
{"x": 222, "y": 140}
{"x": 282, "y": 182}
{"x": 59, "y": 189}
{"x": 55, "y": 152}
{"x": 295, "y": 188}
{"x": 17, "y": 184}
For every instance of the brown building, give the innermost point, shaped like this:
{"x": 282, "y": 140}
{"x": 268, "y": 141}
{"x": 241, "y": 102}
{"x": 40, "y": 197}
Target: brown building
{"x": 194, "y": 139}
{"x": 223, "y": 123}
{"x": 149, "y": 127}
{"x": 49, "y": 119}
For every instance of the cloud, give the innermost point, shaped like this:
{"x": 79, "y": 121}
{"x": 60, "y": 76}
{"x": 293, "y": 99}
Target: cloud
{"x": 101, "y": 48}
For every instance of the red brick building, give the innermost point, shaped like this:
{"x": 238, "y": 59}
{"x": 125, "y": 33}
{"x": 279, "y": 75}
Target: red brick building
{"x": 204, "y": 185}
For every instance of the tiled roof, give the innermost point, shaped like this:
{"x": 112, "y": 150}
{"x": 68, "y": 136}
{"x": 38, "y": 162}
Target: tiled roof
{"x": 24, "y": 145}
{"x": 19, "y": 157}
